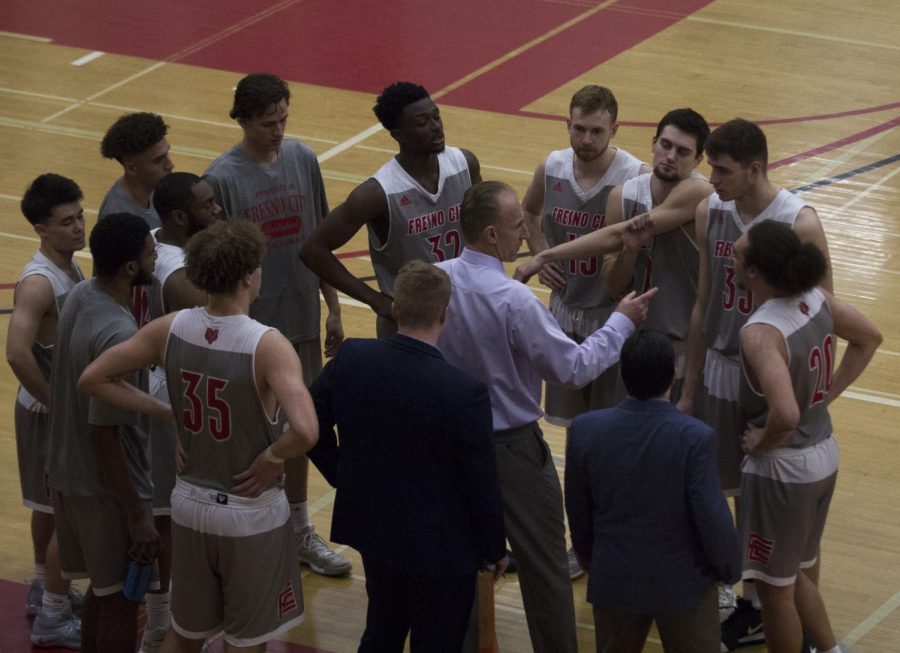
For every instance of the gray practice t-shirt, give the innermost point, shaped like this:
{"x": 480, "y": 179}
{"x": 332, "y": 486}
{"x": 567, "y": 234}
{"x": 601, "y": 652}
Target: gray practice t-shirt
{"x": 118, "y": 201}
{"x": 91, "y": 321}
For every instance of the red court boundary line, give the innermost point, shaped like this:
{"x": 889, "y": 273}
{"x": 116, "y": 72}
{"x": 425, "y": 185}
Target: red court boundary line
{"x": 828, "y": 147}
{"x": 7, "y": 286}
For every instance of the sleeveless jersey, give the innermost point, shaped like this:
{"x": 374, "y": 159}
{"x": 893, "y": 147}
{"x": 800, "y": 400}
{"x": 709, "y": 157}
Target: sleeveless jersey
{"x": 221, "y": 421}
{"x": 729, "y": 306}
{"x": 805, "y": 322}
{"x": 286, "y": 199}
{"x": 421, "y": 225}
{"x": 169, "y": 259}
{"x": 570, "y": 212}
{"x": 61, "y": 283}
{"x": 670, "y": 263}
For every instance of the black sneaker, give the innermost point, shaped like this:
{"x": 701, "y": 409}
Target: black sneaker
{"x": 743, "y": 628}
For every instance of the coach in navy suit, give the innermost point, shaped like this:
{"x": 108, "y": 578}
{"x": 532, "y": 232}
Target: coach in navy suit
{"x": 415, "y": 472}
{"x": 646, "y": 512}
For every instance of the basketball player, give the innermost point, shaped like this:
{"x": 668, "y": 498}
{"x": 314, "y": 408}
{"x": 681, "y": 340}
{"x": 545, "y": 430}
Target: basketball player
{"x": 52, "y": 204}
{"x": 230, "y": 379}
{"x": 787, "y": 350}
{"x": 737, "y": 152}
{"x": 410, "y": 206}
{"x": 275, "y": 182}
{"x": 185, "y": 204}
{"x": 566, "y": 200}
{"x": 138, "y": 142}
{"x": 670, "y": 260}
{"x": 99, "y": 472}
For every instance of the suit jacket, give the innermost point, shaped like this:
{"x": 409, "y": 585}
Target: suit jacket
{"x": 645, "y": 506}
{"x": 414, "y": 466}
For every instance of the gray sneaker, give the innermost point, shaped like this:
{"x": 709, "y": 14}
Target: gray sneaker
{"x": 314, "y": 552}
{"x": 575, "y": 570}
{"x": 63, "y": 631}
{"x": 35, "y": 599}
{"x": 153, "y": 640}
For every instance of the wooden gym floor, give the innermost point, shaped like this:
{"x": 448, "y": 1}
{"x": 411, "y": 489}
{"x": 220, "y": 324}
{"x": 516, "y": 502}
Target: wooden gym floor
{"x": 822, "y": 77}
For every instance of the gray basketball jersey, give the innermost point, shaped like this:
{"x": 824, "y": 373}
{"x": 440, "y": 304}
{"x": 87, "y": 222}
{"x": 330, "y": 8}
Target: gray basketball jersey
{"x": 805, "y": 322}
{"x": 90, "y": 323}
{"x": 118, "y": 201}
{"x": 729, "y": 306}
{"x": 422, "y": 225}
{"x": 570, "y": 212}
{"x": 221, "y": 421}
{"x": 670, "y": 263}
{"x": 61, "y": 283}
{"x": 287, "y": 201}
{"x": 169, "y": 259}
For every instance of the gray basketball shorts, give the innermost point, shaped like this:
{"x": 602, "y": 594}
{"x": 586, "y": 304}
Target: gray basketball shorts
{"x": 234, "y": 566}
{"x": 716, "y": 403}
{"x": 562, "y": 403}
{"x": 310, "y": 353}
{"x": 785, "y": 496}
{"x": 31, "y": 449}
{"x": 93, "y": 541}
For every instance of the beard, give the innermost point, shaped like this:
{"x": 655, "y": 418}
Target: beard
{"x": 665, "y": 175}
{"x": 587, "y": 154}
{"x": 143, "y": 278}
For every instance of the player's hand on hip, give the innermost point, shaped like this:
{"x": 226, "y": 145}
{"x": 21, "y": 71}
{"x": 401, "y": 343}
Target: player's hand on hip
{"x": 259, "y": 477}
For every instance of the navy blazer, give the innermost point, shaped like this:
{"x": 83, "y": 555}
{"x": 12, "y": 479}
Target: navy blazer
{"x": 414, "y": 468}
{"x": 645, "y": 506}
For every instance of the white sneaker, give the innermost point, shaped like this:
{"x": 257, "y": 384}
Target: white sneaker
{"x": 153, "y": 640}
{"x": 314, "y": 552}
{"x": 63, "y": 631}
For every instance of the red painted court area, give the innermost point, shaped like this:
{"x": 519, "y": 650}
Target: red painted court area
{"x": 363, "y": 45}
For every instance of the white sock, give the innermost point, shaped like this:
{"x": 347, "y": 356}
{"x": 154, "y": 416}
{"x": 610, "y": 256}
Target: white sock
{"x": 158, "y": 612}
{"x": 750, "y": 594}
{"x": 54, "y": 604}
{"x": 300, "y": 515}
{"x": 40, "y": 573}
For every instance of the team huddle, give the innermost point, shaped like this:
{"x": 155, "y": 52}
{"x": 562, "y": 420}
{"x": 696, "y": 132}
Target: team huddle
{"x": 168, "y": 403}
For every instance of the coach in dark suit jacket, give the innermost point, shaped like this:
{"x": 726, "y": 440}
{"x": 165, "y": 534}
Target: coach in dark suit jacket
{"x": 646, "y": 512}
{"x": 415, "y": 472}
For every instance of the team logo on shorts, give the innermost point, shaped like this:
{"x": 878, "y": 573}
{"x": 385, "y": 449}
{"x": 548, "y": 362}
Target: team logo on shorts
{"x": 211, "y": 335}
{"x": 286, "y": 600}
{"x": 759, "y": 549}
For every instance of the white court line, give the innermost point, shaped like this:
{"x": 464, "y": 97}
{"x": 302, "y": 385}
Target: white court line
{"x": 826, "y": 171}
{"x": 894, "y": 403}
{"x": 868, "y": 191}
{"x": 791, "y": 32}
{"x": 872, "y": 620}
{"x": 45, "y": 96}
{"x": 111, "y": 87}
{"x": 350, "y": 142}
{"x": 88, "y": 58}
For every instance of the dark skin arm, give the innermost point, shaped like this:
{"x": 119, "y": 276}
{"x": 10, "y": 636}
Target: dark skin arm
{"x": 367, "y": 204}
{"x": 113, "y": 469}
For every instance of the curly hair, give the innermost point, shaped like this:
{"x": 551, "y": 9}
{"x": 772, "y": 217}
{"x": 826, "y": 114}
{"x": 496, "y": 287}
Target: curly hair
{"x": 46, "y": 193}
{"x": 393, "y": 99}
{"x": 255, "y": 93}
{"x": 217, "y": 258}
{"x": 117, "y": 239}
{"x": 132, "y": 134}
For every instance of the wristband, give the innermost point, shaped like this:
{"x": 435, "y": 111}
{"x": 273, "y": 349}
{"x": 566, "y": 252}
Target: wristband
{"x": 271, "y": 457}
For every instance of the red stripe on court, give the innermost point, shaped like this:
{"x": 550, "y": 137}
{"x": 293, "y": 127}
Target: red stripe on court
{"x": 7, "y": 286}
{"x": 357, "y": 253}
{"x": 847, "y": 140}
{"x": 545, "y": 67}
